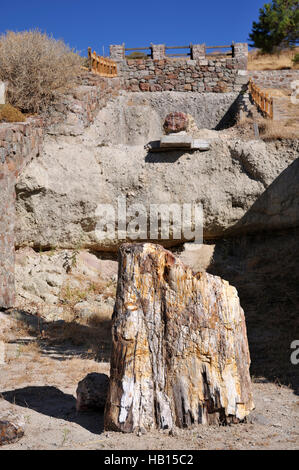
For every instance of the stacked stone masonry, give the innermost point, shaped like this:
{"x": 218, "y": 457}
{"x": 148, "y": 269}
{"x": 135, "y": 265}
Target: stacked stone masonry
{"x": 78, "y": 109}
{"x": 274, "y": 78}
{"x": 200, "y": 73}
{"x": 220, "y": 75}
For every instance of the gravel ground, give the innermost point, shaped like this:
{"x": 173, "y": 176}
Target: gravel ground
{"x": 42, "y": 387}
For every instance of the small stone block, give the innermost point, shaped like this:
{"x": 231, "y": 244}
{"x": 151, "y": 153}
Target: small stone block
{"x": 176, "y": 140}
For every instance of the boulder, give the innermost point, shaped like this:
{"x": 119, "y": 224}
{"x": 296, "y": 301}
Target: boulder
{"x": 59, "y": 192}
{"x": 92, "y": 392}
{"x": 12, "y": 428}
{"x": 57, "y": 198}
{"x": 175, "y": 122}
{"x": 180, "y": 353}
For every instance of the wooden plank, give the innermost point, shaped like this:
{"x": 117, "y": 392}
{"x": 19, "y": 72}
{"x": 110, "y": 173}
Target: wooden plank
{"x": 177, "y": 47}
{"x": 218, "y": 47}
{"x": 137, "y": 48}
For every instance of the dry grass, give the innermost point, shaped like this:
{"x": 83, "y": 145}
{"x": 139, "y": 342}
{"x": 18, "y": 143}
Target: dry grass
{"x": 269, "y": 129}
{"x": 277, "y": 92}
{"x": 283, "y": 60}
{"x": 10, "y": 114}
{"x": 273, "y": 130}
{"x": 37, "y": 67}
{"x": 71, "y": 295}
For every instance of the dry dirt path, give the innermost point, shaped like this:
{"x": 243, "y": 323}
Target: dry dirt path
{"x": 43, "y": 389}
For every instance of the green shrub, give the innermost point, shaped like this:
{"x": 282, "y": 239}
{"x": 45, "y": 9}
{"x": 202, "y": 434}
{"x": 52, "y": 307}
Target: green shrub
{"x": 296, "y": 59}
{"x": 37, "y": 68}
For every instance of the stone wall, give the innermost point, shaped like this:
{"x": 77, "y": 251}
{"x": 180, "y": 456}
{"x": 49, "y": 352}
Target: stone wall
{"x": 78, "y": 109}
{"x": 19, "y": 143}
{"x": 274, "y": 78}
{"x": 201, "y": 73}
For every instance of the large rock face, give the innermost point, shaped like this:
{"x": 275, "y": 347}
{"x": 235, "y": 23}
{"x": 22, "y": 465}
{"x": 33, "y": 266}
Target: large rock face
{"x": 180, "y": 353}
{"x": 59, "y": 192}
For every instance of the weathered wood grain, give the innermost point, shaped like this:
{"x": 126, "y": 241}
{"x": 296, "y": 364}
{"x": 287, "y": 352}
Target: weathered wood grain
{"x": 180, "y": 353}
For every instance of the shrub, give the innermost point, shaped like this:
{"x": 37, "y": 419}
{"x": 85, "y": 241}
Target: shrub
{"x": 273, "y": 130}
{"x": 296, "y": 59}
{"x": 137, "y": 55}
{"x": 37, "y": 67}
{"x": 10, "y": 114}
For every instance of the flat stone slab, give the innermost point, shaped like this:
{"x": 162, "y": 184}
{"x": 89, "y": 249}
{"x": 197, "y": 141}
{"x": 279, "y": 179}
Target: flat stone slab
{"x": 196, "y": 144}
{"x": 199, "y": 144}
{"x": 174, "y": 140}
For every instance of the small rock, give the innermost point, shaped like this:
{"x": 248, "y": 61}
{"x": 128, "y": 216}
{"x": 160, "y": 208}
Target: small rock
{"x": 92, "y": 392}
{"x": 257, "y": 418}
{"x": 175, "y": 122}
{"x": 11, "y": 428}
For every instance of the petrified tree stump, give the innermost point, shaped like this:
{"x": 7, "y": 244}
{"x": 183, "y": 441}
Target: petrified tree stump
{"x": 175, "y": 122}
{"x": 11, "y": 428}
{"x": 180, "y": 352}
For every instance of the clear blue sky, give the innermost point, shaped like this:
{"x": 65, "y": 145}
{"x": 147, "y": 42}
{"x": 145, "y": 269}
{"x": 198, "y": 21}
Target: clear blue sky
{"x": 83, "y": 23}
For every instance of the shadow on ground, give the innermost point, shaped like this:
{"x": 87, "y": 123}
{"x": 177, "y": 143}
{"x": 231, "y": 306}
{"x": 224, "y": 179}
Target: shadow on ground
{"x": 265, "y": 270}
{"x": 264, "y": 267}
{"x": 62, "y": 340}
{"x": 166, "y": 156}
{"x": 53, "y": 402}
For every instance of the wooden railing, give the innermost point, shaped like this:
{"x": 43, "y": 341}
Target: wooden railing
{"x": 262, "y": 100}
{"x": 103, "y": 66}
{"x": 149, "y": 53}
{"x": 221, "y": 53}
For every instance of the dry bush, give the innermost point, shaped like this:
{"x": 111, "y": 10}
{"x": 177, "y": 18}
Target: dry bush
{"x": 272, "y": 130}
{"x": 10, "y": 114}
{"x": 269, "y": 129}
{"x": 36, "y": 67}
{"x": 282, "y": 60}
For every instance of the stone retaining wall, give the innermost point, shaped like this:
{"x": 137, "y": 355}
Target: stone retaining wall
{"x": 274, "y": 78}
{"x": 206, "y": 75}
{"x": 77, "y": 110}
{"x": 201, "y": 73}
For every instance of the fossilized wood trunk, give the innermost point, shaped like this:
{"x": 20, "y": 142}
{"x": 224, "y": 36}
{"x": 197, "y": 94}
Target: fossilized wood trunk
{"x": 11, "y": 428}
{"x": 180, "y": 353}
